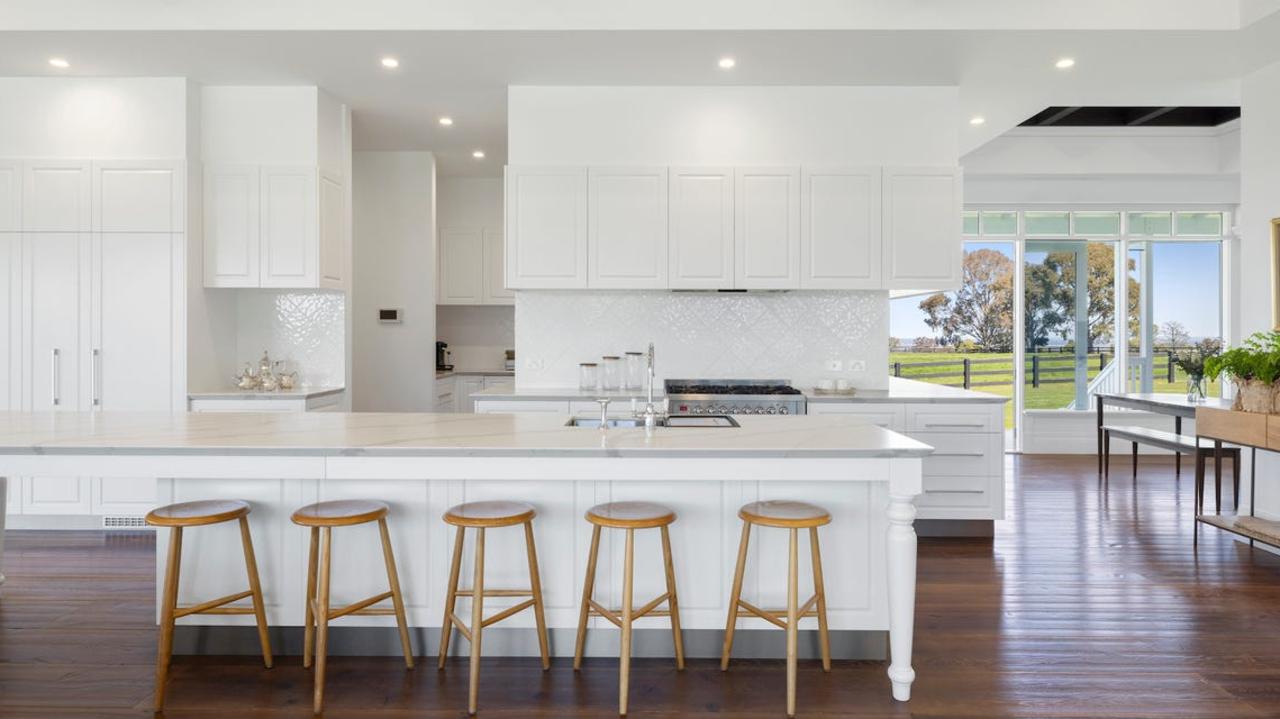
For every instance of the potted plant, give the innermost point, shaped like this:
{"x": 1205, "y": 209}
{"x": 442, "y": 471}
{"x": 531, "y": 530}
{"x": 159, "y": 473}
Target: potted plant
{"x": 1254, "y": 367}
{"x": 1192, "y": 362}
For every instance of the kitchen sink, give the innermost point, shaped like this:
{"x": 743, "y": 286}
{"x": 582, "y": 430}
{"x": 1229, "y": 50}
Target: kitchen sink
{"x": 679, "y": 420}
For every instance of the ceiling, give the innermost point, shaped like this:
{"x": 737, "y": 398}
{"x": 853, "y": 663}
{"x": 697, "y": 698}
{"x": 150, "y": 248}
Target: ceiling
{"x": 1003, "y": 76}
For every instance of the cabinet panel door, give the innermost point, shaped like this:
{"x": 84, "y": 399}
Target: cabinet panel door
{"x": 921, "y": 216}
{"x": 131, "y": 196}
{"x": 627, "y": 240}
{"x": 56, "y": 495}
{"x": 546, "y": 227}
{"x": 495, "y": 290}
{"x": 55, "y": 196}
{"x": 461, "y": 266}
{"x": 700, "y": 244}
{"x": 289, "y": 242}
{"x": 840, "y": 229}
{"x": 130, "y": 365}
{"x": 10, "y": 195}
{"x": 466, "y": 387}
{"x": 10, "y": 320}
{"x": 767, "y": 228}
{"x": 333, "y": 232}
{"x": 13, "y": 495}
{"x": 231, "y": 226}
{"x": 55, "y": 319}
{"x": 123, "y": 495}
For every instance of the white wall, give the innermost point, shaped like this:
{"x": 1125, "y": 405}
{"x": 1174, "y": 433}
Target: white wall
{"x": 267, "y": 125}
{"x": 394, "y": 248}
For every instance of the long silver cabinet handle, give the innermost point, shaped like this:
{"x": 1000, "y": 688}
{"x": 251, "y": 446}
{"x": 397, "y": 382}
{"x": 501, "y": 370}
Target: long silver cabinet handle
{"x": 55, "y": 376}
{"x": 95, "y": 364}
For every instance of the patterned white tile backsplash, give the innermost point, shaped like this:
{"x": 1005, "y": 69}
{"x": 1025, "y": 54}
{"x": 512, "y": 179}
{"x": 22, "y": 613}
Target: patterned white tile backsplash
{"x": 303, "y": 328}
{"x": 757, "y": 335}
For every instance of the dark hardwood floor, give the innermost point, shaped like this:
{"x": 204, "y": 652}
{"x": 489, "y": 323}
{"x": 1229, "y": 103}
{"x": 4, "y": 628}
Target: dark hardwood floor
{"x": 1086, "y": 604}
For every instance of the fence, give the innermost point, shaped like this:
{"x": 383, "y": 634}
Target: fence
{"x": 1042, "y": 368}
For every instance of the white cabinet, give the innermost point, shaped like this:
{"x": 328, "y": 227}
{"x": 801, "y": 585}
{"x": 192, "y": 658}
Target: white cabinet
{"x": 466, "y": 386}
{"x": 546, "y": 227}
{"x": 766, "y": 228}
{"x": 54, "y": 320}
{"x": 840, "y": 240}
{"x": 122, "y": 495}
{"x": 700, "y": 233}
{"x": 57, "y": 495}
{"x": 495, "y": 284}
{"x": 275, "y": 227}
{"x": 56, "y": 196}
{"x": 921, "y": 216}
{"x": 10, "y": 196}
{"x": 137, "y": 196}
{"x": 324, "y": 401}
{"x": 462, "y": 270}
{"x": 10, "y": 322}
{"x": 445, "y": 393}
{"x": 627, "y": 236}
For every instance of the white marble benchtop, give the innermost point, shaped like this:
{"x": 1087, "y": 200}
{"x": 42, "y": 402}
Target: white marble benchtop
{"x": 247, "y": 394}
{"x": 900, "y": 391}
{"x": 446, "y": 435}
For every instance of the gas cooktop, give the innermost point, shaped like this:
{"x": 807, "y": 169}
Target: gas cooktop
{"x": 734, "y": 396}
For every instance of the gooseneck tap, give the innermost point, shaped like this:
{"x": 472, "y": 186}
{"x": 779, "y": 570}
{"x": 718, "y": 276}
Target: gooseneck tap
{"x": 650, "y": 412}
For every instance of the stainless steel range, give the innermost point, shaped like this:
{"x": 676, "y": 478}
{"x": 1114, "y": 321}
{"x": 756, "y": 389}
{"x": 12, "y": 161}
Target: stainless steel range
{"x": 733, "y": 396}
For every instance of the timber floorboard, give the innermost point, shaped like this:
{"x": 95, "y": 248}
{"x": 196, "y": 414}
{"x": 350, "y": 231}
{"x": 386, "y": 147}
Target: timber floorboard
{"x": 1088, "y": 602}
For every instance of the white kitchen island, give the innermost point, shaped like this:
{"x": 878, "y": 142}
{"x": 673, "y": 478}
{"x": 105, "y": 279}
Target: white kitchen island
{"x": 867, "y": 476}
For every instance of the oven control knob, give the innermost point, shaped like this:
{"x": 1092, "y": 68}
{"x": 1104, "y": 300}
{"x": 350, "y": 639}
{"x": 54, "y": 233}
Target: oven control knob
{"x": 722, "y": 409}
{"x": 771, "y": 410}
{"x": 696, "y": 409}
{"x": 784, "y": 410}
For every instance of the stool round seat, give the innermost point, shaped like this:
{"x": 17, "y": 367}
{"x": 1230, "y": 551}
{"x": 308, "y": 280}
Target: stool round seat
{"x": 631, "y": 515}
{"x": 341, "y": 513}
{"x": 195, "y": 514}
{"x": 493, "y": 513}
{"x": 785, "y": 514}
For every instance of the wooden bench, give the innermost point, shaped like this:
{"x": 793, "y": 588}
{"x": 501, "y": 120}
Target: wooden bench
{"x": 1180, "y": 444}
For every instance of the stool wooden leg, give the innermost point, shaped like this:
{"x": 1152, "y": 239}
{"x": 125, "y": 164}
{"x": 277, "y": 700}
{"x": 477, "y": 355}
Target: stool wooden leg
{"x": 309, "y": 632}
{"x": 672, "y": 603}
{"x": 588, "y": 587}
{"x": 734, "y": 596}
{"x": 535, "y": 585}
{"x": 451, "y": 599}
{"x": 793, "y": 601}
{"x": 322, "y": 617}
{"x": 259, "y": 610}
{"x": 168, "y": 605}
{"x": 477, "y": 620}
{"x": 397, "y": 599}
{"x": 624, "y": 658}
{"x": 820, "y": 589}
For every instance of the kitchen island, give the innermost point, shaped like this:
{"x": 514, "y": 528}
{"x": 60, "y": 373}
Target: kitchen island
{"x": 868, "y": 478}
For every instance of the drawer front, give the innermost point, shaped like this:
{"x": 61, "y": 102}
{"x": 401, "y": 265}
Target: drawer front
{"x": 952, "y": 491}
{"x": 888, "y": 416}
{"x": 961, "y": 455}
{"x": 944, "y": 418}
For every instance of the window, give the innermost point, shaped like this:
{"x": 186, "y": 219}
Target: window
{"x": 999, "y": 223}
{"x": 1175, "y": 291}
{"x": 1151, "y": 223}
{"x": 1096, "y": 224}
{"x": 1048, "y": 223}
{"x": 1199, "y": 224}
{"x": 969, "y": 223}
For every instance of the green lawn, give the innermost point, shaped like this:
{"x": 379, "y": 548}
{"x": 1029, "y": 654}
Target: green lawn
{"x": 1000, "y": 364}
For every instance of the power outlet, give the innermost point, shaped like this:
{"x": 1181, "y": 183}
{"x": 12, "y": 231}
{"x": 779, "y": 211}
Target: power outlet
{"x": 857, "y": 365}
{"x": 834, "y": 365}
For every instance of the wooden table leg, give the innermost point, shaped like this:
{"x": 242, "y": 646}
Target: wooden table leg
{"x": 1099, "y": 436}
{"x": 1177, "y": 456}
{"x": 1217, "y": 476}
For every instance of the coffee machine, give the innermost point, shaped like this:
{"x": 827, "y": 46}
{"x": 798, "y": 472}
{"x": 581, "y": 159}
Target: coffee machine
{"x": 443, "y": 363}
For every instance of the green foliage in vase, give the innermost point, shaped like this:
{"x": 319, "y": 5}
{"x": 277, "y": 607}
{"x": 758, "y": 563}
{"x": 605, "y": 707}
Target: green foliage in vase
{"x": 1257, "y": 358}
{"x": 1193, "y": 361}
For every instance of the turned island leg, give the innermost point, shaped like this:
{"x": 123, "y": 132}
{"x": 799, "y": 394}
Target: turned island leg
{"x": 903, "y": 489}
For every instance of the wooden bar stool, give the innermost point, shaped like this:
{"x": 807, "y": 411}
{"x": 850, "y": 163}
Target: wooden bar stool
{"x": 792, "y": 516}
{"x": 629, "y": 516}
{"x": 196, "y": 514}
{"x": 481, "y": 516}
{"x": 322, "y": 517}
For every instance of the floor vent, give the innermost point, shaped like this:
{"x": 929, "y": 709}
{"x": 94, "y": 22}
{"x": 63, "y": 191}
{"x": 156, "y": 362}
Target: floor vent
{"x": 124, "y": 521}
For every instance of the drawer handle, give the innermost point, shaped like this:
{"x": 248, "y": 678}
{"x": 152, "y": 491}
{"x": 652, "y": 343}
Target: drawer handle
{"x": 955, "y": 424}
{"x": 954, "y": 491}
{"x": 55, "y": 376}
{"x": 958, "y": 454}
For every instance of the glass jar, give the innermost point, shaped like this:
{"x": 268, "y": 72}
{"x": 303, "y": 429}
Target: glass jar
{"x": 635, "y": 370}
{"x": 588, "y": 377}
{"x": 611, "y": 373}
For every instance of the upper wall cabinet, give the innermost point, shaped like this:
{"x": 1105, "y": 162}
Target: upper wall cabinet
{"x": 700, "y": 229}
{"x": 921, "y": 215}
{"x": 546, "y": 227}
{"x": 274, "y": 227}
{"x": 138, "y": 196}
{"x": 766, "y": 228}
{"x": 840, "y": 228}
{"x": 56, "y": 196}
{"x": 462, "y": 271}
{"x": 627, "y": 236}
{"x": 495, "y": 285}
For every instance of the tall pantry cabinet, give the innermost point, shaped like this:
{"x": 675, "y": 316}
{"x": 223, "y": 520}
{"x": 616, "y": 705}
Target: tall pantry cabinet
{"x": 91, "y": 263}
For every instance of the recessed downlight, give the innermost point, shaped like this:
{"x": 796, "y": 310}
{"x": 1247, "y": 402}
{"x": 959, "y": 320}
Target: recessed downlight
{"x": 1065, "y": 63}
{"x": 390, "y": 63}
{"x": 727, "y": 63}
{"x": 977, "y": 120}
{"x": 478, "y": 154}
{"x": 446, "y": 121}
{"x": 59, "y": 62}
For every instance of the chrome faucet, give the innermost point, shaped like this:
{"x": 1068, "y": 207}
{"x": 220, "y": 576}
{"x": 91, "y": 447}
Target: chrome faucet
{"x": 651, "y": 413}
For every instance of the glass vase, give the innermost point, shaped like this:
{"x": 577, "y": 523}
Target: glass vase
{"x": 1195, "y": 388}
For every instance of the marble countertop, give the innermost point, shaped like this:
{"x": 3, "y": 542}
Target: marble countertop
{"x": 338, "y": 434}
{"x": 441, "y": 374}
{"x": 900, "y": 390}
{"x": 297, "y": 393}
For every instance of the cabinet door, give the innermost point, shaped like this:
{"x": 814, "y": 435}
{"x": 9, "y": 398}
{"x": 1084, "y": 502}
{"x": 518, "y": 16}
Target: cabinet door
{"x": 55, "y": 319}
{"x": 462, "y": 268}
{"x": 840, "y": 228}
{"x": 137, "y": 196}
{"x": 466, "y": 387}
{"x": 700, "y": 235}
{"x": 55, "y": 196}
{"x": 130, "y": 363}
{"x": 921, "y": 216}
{"x": 627, "y": 237}
{"x": 333, "y": 234}
{"x": 767, "y": 228}
{"x": 546, "y": 227}
{"x": 290, "y": 245}
{"x": 10, "y": 196}
{"x": 231, "y": 226}
{"x": 10, "y": 321}
{"x": 495, "y": 290}
{"x": 123, "y": 495}
{"x": 13, "y": 495}
{"x": 56, "y": 495}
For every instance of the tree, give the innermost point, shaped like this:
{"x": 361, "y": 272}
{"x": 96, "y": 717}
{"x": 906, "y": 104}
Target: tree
{"x": 937, "y": 313}
{"x": 923, "y": 344}
{"x": 982, "y": 309}
{"x": 1100, "y": 286}
{"x": 895, "y": 344}
{"x": 1175, "y": 334}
